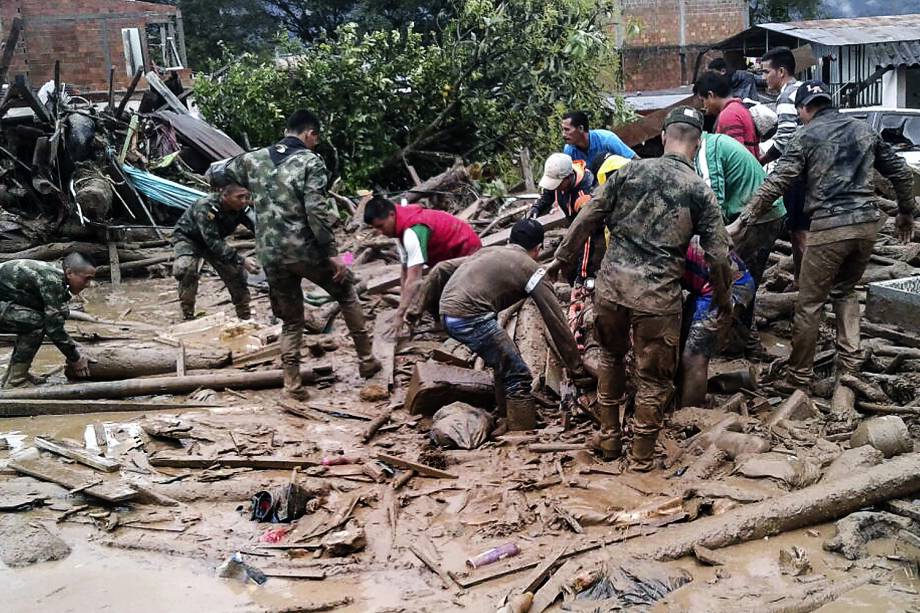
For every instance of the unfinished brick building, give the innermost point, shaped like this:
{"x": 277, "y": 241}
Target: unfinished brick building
{"x": 669, "y": 34}
{"x": 89, "y": 36}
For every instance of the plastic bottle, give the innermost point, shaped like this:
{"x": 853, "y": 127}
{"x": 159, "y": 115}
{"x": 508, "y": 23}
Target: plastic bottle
{"x": 493, "y": 555}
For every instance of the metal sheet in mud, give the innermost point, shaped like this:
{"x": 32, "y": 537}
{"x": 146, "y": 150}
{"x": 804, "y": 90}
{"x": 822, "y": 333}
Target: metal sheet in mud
{"x": 895, "y": 302}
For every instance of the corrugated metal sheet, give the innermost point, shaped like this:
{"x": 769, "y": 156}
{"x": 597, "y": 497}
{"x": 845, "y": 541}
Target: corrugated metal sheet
{"x": 859, "y": 31}
{"x": 905, "y": 52}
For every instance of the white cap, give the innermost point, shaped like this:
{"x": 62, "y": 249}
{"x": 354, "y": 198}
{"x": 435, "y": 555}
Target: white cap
{"x": 557, "y": 167}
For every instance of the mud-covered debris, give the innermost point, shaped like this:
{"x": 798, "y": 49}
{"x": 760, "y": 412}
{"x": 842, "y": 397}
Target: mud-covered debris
{"x": 793, "y": 471}
{"x": 887, "y": 433}
{"x": 431, "y": 456}
{"x": 459, "y": 425}
{"x": 632, "y": 583}
{"x": 855, "y": 530}
{"x": 345, "y": 542}
{"x": 708, "y": 556}
{"x": 852, "y": 461}
{"x": 794, "y": 561}
{"x": 24, "y": 542}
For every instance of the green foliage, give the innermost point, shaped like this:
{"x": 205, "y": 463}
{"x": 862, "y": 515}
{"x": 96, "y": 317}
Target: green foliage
{"x": 771, "y": 11}
{"x": 497, "y": 78}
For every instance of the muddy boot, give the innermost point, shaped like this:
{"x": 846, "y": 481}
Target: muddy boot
{"x": 522, "y": 414}
{"x": 368, "y": 366}
{"x": 607, "y": 444}
{"x": 642, "y": 454}
{"x": 17, "y": 375}
{"x": 243, "y": 311}
{"x": 293, "y": 387}
{"x": 188, "y": 312}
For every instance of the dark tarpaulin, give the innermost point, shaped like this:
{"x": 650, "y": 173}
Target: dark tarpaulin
{"x": 201, "y": 136}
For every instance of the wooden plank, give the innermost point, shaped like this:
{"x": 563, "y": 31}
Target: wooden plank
{"x": 433, "y": 566}
{"x": 527, "y": 170}
{"x": 384, "y": 349}
{"x": 180, "y": 360}
{"x": 539, "y": 575}
{"x": 28, "y": 408}
{"x": 258, "y": 463}
{"x": 552, "y": 588}
{"x": 422, "y": 469}
{"x": 295, "y": 573}
{"x": 69, "y": 478}
{"x": 114, "y": 264}
{"x": 76, "y": 454}
{"x": 171, "y": 101}
{"x": 131, "y": 87}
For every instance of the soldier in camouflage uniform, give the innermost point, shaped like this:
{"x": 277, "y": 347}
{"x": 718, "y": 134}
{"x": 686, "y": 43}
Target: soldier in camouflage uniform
{"x": 836, "y": 155}
{"x": 33, "y": 299}
{"x": 652, "y": 208}
{"x": 200, "y": 234}
{"x": 294, "y": 240}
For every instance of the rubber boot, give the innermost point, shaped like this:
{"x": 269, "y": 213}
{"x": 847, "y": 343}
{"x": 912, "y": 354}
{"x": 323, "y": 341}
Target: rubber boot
{"x": 188, "y": 312}
{"x": 17, "y": 375}
{"x": 243, "y": 311}
{"x": 354, "y": 319}
{"x": 849, "y": 354}
{"x": 607, "y": 444}
{"x": 643, "y": 452}
{"x": 522, "y": 414}
{"x": 293, "y": 386}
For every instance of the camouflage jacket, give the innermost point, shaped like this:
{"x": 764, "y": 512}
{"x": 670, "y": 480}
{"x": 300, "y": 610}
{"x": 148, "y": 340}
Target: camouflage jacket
{"x": 202, "y": 228}
{"x": 652, "y": 208}
{"x": 288, "y": 184}
{"x": 836, "y": 155}
{"x": 40, "y": 286}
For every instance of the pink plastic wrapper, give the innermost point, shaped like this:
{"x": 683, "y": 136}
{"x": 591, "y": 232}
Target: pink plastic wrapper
{"x": 274, "y": 535}
{"x": 348, "y": 258}
{"x": 337, "y": 460}
{"x": 493, "y": 555}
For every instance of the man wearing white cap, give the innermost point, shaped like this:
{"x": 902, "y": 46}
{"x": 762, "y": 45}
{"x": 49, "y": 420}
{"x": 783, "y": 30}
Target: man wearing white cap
{"x": 568, "y": 184}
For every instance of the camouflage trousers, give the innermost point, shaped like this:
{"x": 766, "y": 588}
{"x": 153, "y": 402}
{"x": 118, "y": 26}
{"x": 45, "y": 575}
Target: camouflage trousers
{"x": 29, "y": 327}
{"x": 655, "y": 343}
{"x": 187, "y": 271}
{"x": 286, "y": 294}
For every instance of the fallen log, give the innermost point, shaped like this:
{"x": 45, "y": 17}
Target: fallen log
{"x": 159, "y": 385}
{"x": 29, "y": 408}
{"x": 56, "y": 251}
{"x": 256, "y": 463}
{"x": 110, "y": 362}
{"x": 448, "y": 180}
{"x": 897, "y": 478}
{"x": 773, "y": 306}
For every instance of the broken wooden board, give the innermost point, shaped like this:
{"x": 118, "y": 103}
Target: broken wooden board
{"x": 384, "y": 349}
{"x": 295, "y": 573}
{"x": 77, "y": 454}
{"x": 55, "y": 472}
{"x": 28, "y": 408}
{"x": 256, "y": 462}
{"x": 434, "y": 385}
{"x": 422, "y": 469}
{"x": 550, "y": 591}
{"x": 539, "y": 574}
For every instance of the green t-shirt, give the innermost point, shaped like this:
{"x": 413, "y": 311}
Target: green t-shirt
{"x": 733, "y": 174}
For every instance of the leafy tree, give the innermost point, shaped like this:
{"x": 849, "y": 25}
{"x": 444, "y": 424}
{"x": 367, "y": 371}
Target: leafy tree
{"x": 770, "y": 11}
{"x": 496, "y": 79}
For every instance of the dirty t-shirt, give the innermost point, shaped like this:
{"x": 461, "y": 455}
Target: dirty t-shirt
{"x": 495, "y": 278}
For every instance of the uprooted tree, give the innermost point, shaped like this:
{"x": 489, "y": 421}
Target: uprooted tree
{"x": 495, "y": 78}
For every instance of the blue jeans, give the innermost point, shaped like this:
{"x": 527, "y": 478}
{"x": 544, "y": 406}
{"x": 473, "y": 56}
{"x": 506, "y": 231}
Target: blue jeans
{"x": 484, "y": 337}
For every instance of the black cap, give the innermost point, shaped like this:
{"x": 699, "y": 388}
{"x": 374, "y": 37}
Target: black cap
{"x": 528, "y": 233}
{"x": 809, "y": 91}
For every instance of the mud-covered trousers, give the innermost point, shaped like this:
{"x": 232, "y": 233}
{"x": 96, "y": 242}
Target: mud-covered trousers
{"x": 488, "y": 340}
{"x": 829, "y": 270}
{"x": 29, "y": 327}
{"x": 186, "y": 271}
{"x": 655, "y": 343}
{"x": 286, "y": 296}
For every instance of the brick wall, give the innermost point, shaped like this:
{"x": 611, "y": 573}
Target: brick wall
{"x": 85, "y": 35}
{"x": 671, "y": 34}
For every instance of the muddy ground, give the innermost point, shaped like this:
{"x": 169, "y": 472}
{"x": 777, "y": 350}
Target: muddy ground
{"x": 153, "y": 557}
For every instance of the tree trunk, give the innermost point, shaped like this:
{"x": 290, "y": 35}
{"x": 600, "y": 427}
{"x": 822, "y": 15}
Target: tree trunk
{"x": 896, "y": 478}
{"x": 774, "y": 306}
{"x": 110, "y": 362}
{"x": 448, "y": 180}
{"x": 156, "y": 385}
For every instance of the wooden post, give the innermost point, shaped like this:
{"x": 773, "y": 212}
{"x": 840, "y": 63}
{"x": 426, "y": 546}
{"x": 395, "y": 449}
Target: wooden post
{"x": 171, "y": 101}
{"x": 527, "y": 170}
{"x": 111, "y": 99}
{"x": 114, "y": 264}
{"x": 124, "y": 101}
{"x": 9, "y": 48}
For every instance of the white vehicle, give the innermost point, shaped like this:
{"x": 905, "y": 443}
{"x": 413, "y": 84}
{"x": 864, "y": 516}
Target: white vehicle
{"x": 899, "y": 127}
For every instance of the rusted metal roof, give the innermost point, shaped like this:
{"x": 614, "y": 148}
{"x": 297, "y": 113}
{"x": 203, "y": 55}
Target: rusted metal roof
{"x": 857, "y": 31}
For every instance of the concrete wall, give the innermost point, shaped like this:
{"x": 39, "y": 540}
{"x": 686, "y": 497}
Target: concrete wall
{"x": 671, "y": 33}
{"x": 85, "y": 35}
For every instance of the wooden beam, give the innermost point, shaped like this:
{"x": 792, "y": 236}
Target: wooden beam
{"x": 422, "y": 469}
{"x": 539, "y": 575}
{"x": 527, "y": 170}
{"x": 77, "y": 454}
{"x": 171, "y": 101}
{"x": 114, "y": 263}
{"x": 433, "y": 566}
{"x": 9, "y": 48}
{"x": 131, "y": 87}
{"x": 71, "y": 479}
{"x": 258, "y": 462}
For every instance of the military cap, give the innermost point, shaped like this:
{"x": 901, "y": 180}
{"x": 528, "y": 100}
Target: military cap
{"x": 809, "y": 91}
{"x": 684, "y": 114}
